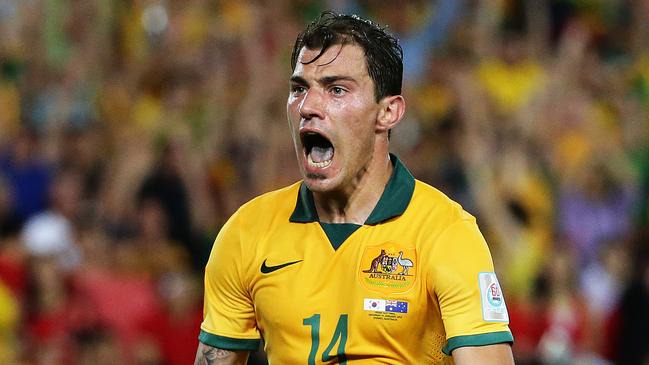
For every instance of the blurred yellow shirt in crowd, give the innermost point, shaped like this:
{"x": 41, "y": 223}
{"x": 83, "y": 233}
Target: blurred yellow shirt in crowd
{"x": 9, "y": 317}
{"x": 10, "y": 107}
{"x": 510, "y": 85}
{"x": 533, "y": 243}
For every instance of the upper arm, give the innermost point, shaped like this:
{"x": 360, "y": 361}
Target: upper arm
{"x": 499, "y": 354}
{"x": 208, "y": 355}
{"x": 467, "y": 290}
{"x": 228, "y": 312}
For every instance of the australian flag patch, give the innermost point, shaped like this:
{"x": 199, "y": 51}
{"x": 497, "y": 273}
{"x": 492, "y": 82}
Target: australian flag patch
{"x": 396, "y": 306}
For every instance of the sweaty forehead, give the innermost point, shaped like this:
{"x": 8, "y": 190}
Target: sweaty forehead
{"x": 348, "y": 59}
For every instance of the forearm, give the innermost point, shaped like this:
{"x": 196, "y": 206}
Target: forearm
{"x": 499, "y": 354}
{"x": 208, "y": 355}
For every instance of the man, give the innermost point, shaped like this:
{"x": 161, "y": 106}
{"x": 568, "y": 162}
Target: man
{"x": 359, "y": 261}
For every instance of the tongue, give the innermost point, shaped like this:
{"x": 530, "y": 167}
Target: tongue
{"x": 320, "y": 154}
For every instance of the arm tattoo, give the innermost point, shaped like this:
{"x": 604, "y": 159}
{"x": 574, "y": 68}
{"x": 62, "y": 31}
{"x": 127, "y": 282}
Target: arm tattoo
{"x": 208, "y": 355}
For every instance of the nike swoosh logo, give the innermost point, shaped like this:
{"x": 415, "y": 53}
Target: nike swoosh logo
{"x": 268, "y": 269}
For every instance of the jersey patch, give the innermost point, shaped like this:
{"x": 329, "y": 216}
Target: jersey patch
{"x": 493, "y": 302}
{"x": 384, "y": 305}
{"x": 388, "y": 268}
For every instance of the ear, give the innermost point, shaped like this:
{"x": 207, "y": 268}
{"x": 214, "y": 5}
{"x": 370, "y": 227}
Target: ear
{"x": 391, "y": 111}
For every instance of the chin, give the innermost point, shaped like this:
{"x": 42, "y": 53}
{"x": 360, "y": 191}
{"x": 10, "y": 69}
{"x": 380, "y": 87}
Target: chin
{"x": 319, "y": 183}
{"x": 319, "y": 179}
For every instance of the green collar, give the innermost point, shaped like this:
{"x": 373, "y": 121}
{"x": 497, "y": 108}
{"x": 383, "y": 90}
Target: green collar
{"x": 393, "y": 201}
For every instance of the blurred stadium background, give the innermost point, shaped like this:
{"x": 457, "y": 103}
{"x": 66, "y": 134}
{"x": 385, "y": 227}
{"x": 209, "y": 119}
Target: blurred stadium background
{"x": 131, "y": 129}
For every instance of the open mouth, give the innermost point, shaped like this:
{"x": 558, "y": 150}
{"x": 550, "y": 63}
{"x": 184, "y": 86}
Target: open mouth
{"x": 318, "y": 149}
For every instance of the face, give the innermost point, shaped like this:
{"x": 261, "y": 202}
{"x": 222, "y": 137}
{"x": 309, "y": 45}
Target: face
{"x": 332, "y": 114}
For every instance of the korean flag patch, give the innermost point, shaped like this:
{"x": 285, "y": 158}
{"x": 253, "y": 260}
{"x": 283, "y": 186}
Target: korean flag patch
{"x": 493, "y": 302}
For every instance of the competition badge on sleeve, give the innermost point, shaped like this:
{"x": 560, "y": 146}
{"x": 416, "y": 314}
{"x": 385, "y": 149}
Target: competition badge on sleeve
{"x": 493, "y": 302}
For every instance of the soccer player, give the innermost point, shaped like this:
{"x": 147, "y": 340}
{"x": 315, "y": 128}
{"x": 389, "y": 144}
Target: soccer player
{"x": 358, "y": 262}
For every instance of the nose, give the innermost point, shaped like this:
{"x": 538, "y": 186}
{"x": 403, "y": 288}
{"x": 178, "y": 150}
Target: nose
{"x": 311, "y": 105}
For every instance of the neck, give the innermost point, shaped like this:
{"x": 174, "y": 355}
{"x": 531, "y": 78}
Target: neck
{"x": 356, "y": 201}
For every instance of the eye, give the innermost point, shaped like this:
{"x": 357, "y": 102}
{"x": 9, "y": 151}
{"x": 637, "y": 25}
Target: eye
{"x": 297, "y": 89}
{"x": 337, "y": 90}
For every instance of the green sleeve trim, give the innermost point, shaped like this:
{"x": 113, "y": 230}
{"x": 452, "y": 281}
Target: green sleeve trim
{"x": 483, "y": 339}
{"x": 228, "y": 343}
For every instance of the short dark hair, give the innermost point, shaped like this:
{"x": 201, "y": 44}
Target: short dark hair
{"x": 383, "y": 54}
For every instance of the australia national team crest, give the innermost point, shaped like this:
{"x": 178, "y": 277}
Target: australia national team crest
{"x": 388, "y": 268}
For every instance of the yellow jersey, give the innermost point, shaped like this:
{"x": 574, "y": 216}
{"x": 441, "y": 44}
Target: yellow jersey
{"x": 410, "y": 285}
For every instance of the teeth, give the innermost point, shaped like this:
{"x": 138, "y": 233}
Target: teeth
{"x": 319, "y": 165}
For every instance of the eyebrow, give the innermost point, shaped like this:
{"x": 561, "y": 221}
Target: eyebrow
{"x": 327, "y": 80}
{"x": 298, "y": 80}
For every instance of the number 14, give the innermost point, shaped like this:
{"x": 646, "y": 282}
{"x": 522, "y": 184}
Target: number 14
{"x": 339, "y": 334}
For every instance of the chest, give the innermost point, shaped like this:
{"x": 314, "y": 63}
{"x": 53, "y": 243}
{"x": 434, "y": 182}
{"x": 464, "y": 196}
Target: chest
{"x": 358, "y": 298}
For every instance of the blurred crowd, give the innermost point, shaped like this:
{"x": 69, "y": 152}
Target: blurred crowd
{"x": 131, "y": 129}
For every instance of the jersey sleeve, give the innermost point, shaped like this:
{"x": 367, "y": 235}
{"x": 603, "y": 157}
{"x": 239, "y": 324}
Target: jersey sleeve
{"x": 228, "y": 313}
{"x": 463, "y": 280}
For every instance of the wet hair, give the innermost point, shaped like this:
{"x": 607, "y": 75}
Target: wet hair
{"x": 383, "y": 54}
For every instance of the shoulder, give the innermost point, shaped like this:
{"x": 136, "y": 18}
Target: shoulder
{"x": 275, "y": 202}
{"x": 255, "y": 219}
{"x": 434, "y": 215}
{"x": 449, "y": 228}
{"x": 268, "y": 207}
{"x": 434, "y": 204}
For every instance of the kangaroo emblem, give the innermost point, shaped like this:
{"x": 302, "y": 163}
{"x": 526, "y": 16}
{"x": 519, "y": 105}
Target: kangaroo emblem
{"x": 376, "y": 263}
